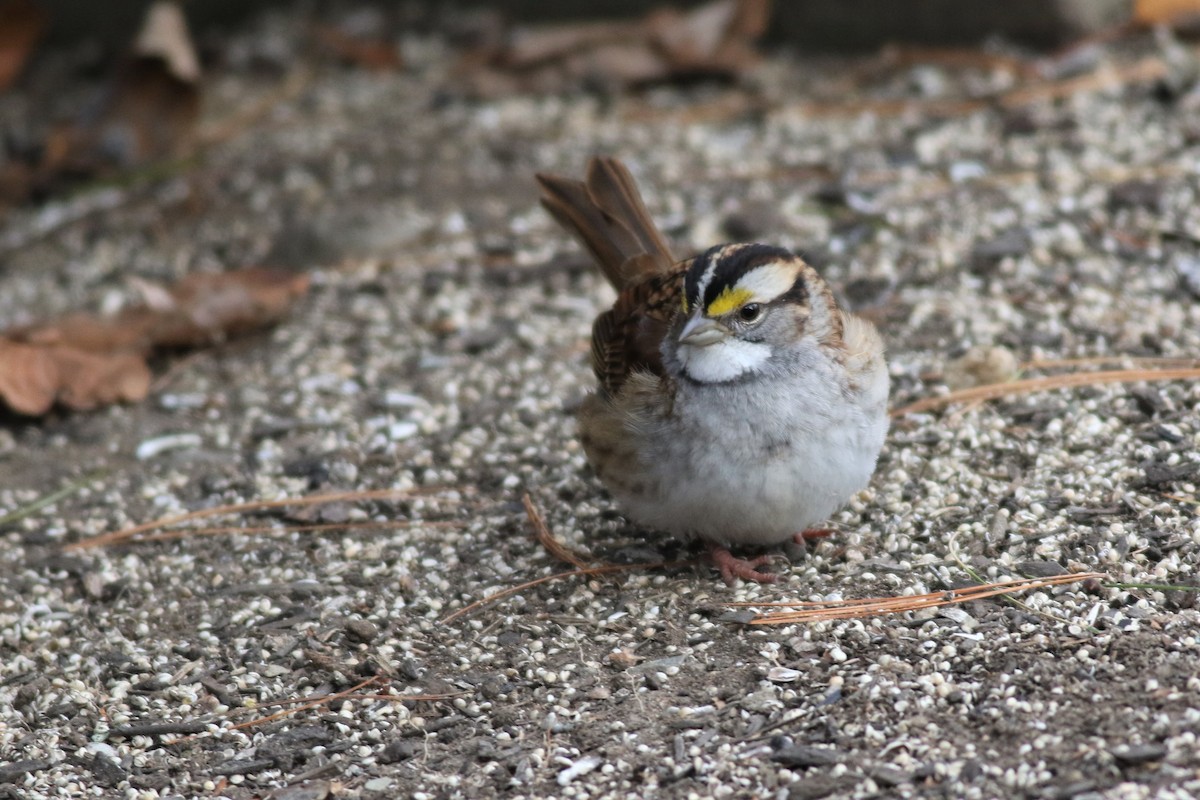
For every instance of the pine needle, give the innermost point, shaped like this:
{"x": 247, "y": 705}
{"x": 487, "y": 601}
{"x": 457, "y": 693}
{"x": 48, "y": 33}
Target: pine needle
{"x": 305, "y": 703}
{"x": 49, "y": 499}
{"x": 994, "y": 391}
{"x": 606, "y": 569}
{"x": 1128, "y": 362}
{"x": 127, "y": 534}
{"x": 541, "y": 532}
{"x": 230, "y": 530}
{"x": 877, "y": 606}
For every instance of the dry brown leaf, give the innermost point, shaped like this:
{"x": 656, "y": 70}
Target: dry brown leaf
{"x": 376, "y": 54}
{"x": 146, "y": 112}
{"x": 33, "y": 377}
{"x": 21, "y": 25}
{"x": 1166, "y": 12}
{"x": 531, "y": 46}
{"x": 155, "y": 99}
{"x": 28, "y": 377}
{"x": 201, "y": 309}
{"x": 213, "y": 307}
{"x": 619, "y": 64}
{"x": 89, "y": 380}
{"x": 150, "y": 114}
{"x": 717, "y": 38}
{"x": 164, "y": 35}
{"x": 84, "y": 332}
{"x": 83, "y": 361}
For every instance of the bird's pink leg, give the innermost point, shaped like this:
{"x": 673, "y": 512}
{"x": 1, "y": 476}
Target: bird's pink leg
{"x": 731, "y": 567}
{"x": 812, "y": 533}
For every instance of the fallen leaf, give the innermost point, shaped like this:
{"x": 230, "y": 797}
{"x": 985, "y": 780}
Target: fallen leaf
{"x": 531, "y": 46}
{"x": 33, "y": 377}
{"x": 1166, "y": 12}
{"x": 88, "y": 380}
{"x": 213, "y": 307}
{"x": 21, "y": 25}
{"x": 84, "y": 361}
{"x": 28, "y": 377}
{"x": 715, "y": 39}
{"x": 88, "y": 333}
{"x": 152, "y": 105}
{"x": 376, "y": 54}
{"x": 146, "y": 112}
{"x": 164, "y": 35}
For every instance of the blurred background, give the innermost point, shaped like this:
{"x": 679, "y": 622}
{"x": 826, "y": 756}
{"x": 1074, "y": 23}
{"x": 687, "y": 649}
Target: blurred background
{"x": 822, "y": 24}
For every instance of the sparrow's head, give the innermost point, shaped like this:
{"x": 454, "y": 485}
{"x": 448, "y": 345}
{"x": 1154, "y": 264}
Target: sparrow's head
{"x": 747, "y": 308}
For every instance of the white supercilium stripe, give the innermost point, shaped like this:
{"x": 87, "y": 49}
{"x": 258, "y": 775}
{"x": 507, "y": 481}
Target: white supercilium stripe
{"x": 769, "y": 281}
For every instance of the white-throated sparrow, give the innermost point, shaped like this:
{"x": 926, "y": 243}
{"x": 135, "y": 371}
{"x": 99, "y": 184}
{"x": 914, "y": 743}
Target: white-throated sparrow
{"x": 737, "y": 402}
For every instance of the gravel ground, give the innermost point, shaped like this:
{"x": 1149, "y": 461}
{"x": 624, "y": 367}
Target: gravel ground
{"x": 442, "y": 351}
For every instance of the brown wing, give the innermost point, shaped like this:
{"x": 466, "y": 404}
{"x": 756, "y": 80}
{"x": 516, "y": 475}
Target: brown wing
{"x": 628, "y": 336}
{"x": 605, "y": 212}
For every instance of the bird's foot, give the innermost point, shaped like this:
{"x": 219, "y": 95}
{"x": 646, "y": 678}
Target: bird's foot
{"x": 731, "y": 567}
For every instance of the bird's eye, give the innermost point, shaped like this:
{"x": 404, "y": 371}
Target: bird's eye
{"x": 750, "y": 312}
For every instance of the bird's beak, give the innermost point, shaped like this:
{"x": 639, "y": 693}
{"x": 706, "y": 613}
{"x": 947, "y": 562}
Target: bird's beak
{"x": 700, "y": 331}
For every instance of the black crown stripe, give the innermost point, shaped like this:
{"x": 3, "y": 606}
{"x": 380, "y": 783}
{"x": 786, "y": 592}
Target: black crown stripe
{"x": 731, "y": 267}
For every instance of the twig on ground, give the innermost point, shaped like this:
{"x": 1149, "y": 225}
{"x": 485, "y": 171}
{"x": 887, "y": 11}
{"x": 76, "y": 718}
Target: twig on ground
{"x": 304, "y": 703}
{"x": 543, "y": 534}
{"x": 542, "y": 531}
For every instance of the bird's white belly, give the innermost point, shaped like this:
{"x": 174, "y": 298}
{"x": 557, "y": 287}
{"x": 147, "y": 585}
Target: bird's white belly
{"x": 739, "y": 478}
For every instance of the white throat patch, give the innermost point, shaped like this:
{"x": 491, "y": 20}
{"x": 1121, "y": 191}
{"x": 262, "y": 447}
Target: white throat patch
{"x": 722, "y": 361}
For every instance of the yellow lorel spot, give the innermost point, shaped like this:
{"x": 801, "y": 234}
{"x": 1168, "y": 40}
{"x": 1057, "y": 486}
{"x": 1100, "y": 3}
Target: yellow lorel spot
{"x": 683, "y": 300}
{"x": 730, "y": 299}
